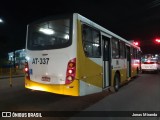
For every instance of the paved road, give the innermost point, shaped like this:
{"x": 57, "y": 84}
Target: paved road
{"x": 17, "y": 98}
{"x": 141, "y": 94}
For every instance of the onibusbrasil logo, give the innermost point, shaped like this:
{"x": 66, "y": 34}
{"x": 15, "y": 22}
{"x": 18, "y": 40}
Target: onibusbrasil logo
{"x": 20, "y": 114}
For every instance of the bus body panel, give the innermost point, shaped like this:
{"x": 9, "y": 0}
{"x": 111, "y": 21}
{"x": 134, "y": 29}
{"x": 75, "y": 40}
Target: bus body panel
{"x": 89, "y": 70}
{"x": 50, "y": 64}
{"x": 119, "y": 65}
{"x": 71, "y": 89}
{"x": 135, "y": 66}
{"x": 91, "y": 81}
{"x": 55, "y": 70}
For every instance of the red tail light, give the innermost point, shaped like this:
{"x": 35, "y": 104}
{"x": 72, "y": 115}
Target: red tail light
{"x": 71, "y": 71}
{"x": 26, "y": 69}
{"x": 149, "y": 62}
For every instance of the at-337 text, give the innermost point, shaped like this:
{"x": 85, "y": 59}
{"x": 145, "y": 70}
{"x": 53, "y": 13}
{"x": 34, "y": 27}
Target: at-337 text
{"x": 40, "y": 60}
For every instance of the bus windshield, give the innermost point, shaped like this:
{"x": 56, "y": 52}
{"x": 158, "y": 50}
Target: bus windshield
{"x": 49, "y": 35}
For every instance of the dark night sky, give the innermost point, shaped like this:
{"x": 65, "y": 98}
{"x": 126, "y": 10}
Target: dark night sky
{"x": 131, "y": 19}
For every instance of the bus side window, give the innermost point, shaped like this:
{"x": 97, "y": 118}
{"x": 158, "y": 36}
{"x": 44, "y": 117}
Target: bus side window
{"x": 87, "y": 41}
{"x": 91, "y": 42}
{"x": 115, "y": 48}
{"x": 96, "y": 44}
{"x": 122, "y": 50}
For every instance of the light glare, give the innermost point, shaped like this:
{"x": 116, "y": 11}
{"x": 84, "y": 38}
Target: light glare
{"x": 46, "y": 31}
{"x": 158, "y": 40}
{"x": 37, "y": 88}
{"x": 66, "y": 37}
{"x": 1, "y": 21}
{"x": 27, "y": 58}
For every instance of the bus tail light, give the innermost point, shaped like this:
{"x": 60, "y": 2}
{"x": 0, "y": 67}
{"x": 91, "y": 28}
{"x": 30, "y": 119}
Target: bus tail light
{"x": 26, "y": 70}
{"x": 71, "y": 71}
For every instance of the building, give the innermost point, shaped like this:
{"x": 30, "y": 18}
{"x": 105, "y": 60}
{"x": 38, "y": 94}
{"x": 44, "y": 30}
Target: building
{"x": 17, "y": 57}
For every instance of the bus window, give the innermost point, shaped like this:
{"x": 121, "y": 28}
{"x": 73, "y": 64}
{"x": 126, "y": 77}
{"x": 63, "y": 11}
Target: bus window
{"x": 122, "y": 50}
{"x": 49, "y": 35}
{"x": 91, "y": 42}
{"x": 115, "y": 48}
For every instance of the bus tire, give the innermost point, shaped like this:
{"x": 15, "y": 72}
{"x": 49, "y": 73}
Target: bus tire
{"x": 116, "y": 82}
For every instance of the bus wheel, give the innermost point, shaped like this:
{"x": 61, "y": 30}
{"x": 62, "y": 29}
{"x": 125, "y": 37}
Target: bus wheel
{"x": 116, "y": 82}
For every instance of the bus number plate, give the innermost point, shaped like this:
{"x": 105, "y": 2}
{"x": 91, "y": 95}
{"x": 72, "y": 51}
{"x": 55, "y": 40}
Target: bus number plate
{"x": 46, "y": 79}
{"x": 40, "y": 60}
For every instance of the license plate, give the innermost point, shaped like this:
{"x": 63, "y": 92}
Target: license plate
{"x": 46, "y": 79}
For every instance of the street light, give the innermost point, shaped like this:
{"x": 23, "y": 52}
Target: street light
{"x": 1, "y": 21}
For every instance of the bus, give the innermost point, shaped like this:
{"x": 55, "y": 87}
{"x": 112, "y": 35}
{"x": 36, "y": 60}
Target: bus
{"x": 72, "y": 55}
{"x": 150, "y": 63}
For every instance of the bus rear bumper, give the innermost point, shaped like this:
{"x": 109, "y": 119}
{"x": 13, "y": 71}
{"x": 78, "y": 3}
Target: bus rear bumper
{"x": 71, "y": 89}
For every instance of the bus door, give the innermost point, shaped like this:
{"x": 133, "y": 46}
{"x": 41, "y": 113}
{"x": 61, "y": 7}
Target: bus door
{"x": 106, "y": 61}
{"x": 128, "y": 53}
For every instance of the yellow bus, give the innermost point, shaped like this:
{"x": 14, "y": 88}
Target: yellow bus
{"x": 72, "y": 55}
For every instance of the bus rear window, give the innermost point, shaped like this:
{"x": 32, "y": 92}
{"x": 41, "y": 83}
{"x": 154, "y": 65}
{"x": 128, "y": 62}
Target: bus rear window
{"x": 49, "y": 35}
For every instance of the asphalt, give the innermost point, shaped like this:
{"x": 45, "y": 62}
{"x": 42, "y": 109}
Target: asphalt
{"x": 140, "y": 96}
{"x": 135, "y": 97}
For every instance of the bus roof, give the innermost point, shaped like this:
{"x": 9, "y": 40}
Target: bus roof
{"x": 91, "y": 23}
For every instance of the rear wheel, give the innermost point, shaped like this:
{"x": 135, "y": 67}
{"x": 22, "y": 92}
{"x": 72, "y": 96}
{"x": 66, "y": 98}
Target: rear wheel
{"x": 116, "y": 82}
